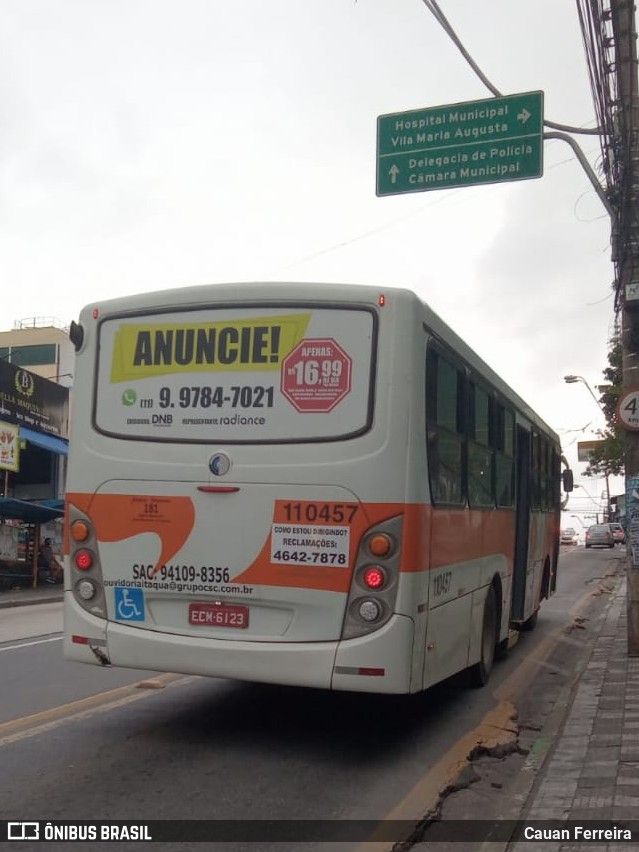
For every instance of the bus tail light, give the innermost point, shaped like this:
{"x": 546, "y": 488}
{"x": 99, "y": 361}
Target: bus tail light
{"x": 80, "y": 531}
{"x": 374, "y": 577}
{"x": 380, "y": 545}
{"x": 83, "y": 560}
{"x": 83, "y": 566}
{"x": 373, "y": 592}
{"x": 86, "y": 590}
{"x": 369, "y": 610}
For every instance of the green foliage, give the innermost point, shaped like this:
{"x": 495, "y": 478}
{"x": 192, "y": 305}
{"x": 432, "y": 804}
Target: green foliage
{"x": 608, "y": 457}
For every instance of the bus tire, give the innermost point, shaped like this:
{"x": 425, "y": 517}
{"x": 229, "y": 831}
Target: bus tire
{"x": 501, "y": 651}
{"x": 531, "y": 622}
{"x": 480, "y": 672}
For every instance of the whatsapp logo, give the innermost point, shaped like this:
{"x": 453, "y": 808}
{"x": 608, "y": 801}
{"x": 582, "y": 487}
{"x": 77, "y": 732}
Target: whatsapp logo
{"x": 129, "y": 397}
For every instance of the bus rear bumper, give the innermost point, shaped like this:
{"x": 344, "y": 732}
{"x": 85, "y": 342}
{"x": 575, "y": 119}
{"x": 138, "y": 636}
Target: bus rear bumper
{"x": 274, "y": 662}
{"x": 378, "y": 662}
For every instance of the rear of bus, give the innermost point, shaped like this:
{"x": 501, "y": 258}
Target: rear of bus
{"x": 236, "y": 492}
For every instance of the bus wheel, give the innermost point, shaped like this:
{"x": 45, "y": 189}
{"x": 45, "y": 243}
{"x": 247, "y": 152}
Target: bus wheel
{"x": 480, "y": 672}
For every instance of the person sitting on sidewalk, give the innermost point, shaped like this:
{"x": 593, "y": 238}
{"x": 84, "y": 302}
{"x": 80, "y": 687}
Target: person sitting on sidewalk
{"x": 48, "y": 562}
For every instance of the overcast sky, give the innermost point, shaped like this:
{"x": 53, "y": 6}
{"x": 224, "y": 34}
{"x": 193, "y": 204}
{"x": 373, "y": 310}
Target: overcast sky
{"x": 148, "y": 144}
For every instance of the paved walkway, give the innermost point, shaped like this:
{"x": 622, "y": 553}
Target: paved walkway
{"x": 592, "y": 771}
{"x": 24, "y": 596}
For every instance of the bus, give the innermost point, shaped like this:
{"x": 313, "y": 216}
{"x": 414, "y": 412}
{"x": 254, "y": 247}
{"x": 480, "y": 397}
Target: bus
{"x": 302, "y": 484}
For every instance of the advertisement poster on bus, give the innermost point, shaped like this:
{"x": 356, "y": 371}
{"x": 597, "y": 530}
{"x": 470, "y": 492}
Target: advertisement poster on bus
{"x": 243, "y": 374}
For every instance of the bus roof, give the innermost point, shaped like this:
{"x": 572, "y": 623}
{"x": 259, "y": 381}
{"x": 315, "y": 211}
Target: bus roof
{"x": 280, "y": 291}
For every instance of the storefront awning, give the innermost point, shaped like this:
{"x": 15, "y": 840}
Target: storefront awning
{"x": 47, "y": 442}
{"x": 30, "y": 513}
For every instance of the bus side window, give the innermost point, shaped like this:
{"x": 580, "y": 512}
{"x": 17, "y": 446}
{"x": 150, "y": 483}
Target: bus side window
{"x": 445, "y": 425}
{"x": 556, "y": 479}
{"x": 480, "y": 454}
{"x": 534, "y": 471}
{"x": 504, "y": 457}
{"x": 545, "y": 480}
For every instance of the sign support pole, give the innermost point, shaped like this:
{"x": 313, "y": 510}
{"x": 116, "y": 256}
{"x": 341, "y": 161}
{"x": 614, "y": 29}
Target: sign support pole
{"x": 626, "y": 229}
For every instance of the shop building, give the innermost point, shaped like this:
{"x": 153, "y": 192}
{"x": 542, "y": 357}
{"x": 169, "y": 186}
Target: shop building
{"x": 42, "y": 346}
{"x": 36, "y": 370}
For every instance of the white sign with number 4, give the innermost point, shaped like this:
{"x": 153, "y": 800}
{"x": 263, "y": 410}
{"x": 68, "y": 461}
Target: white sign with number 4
{"x": 628, "y": 410}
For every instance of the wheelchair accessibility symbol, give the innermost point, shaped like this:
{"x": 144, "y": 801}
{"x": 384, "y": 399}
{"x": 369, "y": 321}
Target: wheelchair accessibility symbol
{"x": 129, "y": 604}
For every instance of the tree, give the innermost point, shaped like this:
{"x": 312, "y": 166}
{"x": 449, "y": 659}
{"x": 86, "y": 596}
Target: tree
{"x": 608, "y": 457}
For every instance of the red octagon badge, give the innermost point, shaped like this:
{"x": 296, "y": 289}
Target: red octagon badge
{"x": 316, "y": 375}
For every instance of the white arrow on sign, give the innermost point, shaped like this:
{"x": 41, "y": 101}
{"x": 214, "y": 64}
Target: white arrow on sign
{"x": 523, "y": 116}
{"x": 393, "y": 172}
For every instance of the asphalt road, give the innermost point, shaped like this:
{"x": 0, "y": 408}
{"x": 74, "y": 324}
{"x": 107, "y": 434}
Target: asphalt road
{"x": 78, "y": 742}
{"x": 34, "y": 675}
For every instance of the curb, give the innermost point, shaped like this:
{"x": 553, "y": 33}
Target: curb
{"x": 31, "y": 601}
{"x": 545, "y": 743}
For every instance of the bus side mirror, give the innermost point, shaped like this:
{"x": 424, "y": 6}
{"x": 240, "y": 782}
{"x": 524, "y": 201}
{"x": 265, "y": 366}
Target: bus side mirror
{"x": 76, "y": 335}
{"x": 568, "y": 480}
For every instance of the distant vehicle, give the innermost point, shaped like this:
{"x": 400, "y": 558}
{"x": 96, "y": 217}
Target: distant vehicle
{"x": 618, "y": 533}
{"x": 568, "y": 536}
{"x": 599, "y": 535}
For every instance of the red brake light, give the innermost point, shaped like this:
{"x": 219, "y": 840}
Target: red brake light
{"x": 83, "y": 560}
{"x": 374, "y": 577}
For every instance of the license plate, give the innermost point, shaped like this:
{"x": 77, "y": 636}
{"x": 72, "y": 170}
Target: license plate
{"x": 219, "y": 615}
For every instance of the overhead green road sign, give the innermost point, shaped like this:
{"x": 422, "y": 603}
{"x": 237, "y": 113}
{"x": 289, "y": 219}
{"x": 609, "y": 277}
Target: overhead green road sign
{"x": 487, "y": 141}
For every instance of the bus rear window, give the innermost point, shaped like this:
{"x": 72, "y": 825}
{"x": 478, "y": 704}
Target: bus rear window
{"x": 236, "y": 375}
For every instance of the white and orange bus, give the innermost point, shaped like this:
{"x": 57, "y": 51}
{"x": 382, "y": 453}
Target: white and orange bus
{"x": 316, "y": 485}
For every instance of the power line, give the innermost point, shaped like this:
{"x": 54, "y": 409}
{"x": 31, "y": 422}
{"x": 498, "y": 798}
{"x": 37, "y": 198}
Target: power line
{"x": 443, "y": 21}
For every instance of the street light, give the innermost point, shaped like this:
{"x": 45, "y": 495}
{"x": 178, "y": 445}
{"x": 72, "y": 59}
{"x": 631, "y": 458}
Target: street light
{"x": 592, "y": 499}
{"x": 571, "y": 380}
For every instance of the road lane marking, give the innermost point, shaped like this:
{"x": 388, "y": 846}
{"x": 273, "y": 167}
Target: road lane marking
{"x": 29, "y": 644}
{"x": 84, "y": 708}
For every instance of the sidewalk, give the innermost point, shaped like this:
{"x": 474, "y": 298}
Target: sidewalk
{"x": 26, "y": 595}
{"x": 592, "y": 770}
{"x": 575, "y": 766}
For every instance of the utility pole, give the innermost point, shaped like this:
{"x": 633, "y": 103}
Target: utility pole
{"x": 625, "y": 231}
